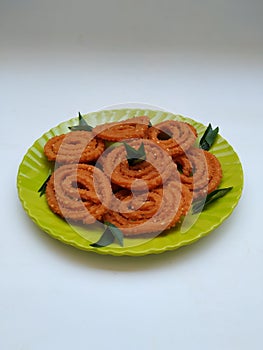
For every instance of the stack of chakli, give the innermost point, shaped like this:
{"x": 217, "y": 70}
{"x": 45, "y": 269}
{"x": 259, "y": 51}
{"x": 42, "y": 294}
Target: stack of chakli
{"x": 95, "y": 180}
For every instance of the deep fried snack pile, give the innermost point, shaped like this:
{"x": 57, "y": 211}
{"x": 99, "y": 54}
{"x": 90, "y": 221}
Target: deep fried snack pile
{"x": 94, "y": 181}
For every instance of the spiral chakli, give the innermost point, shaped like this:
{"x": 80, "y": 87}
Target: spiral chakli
{"x": 74, "y": 147}
{"x": 138, "y": 213}
{"x": 201, "y": 171}
{"x": 148, "y": 174}
{"x": 173, "y": 136}
{"x": 127, "y": 129}
{"x": 78, "y": 192}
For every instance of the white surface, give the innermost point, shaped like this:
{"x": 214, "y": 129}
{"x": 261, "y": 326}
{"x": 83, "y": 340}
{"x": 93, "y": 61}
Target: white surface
{"x": 206, "y": 296}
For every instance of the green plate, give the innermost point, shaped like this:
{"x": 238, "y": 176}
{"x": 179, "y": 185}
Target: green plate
{"x": 34, "y": 169}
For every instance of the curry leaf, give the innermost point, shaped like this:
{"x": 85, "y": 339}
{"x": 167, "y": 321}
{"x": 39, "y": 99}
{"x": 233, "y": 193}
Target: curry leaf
{"x": 200, "y": 205}
{"x": 42, "y": 188}
{"x": 106, "y": 239}
{"x": 208, "y": 138}
{"x": 135, "y": 156}
{"x": 83, "y": 125}
{"x": 110, "y": 234}
{"x": 117, "y": 233}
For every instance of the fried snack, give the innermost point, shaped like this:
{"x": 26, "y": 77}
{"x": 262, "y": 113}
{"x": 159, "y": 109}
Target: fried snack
{"x": 78, "y": 192}
{"x": 127, "y": 129}
{"x": 143, "y": 197}
{"x": 148, "y": 174}
{"x": 201, "y": 171}
{"x": 74, "y": 147}
{"x": 214, "y": 171}
{"x": 173, "y": 136}
{"x": 143, "y": 214}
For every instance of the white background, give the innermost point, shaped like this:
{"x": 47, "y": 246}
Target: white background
{"x": 201, "y": 59}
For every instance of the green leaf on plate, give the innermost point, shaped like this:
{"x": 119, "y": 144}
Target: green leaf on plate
{"x": 83, "y": 125}
{"x": 117, "y": 233}
{"x": 200, "y": 205}
{"x": 106, "y": 239}
{"x": 42, "y": 188}
{"x": 135, "y": 156}
{"x": 208, "y": 137}
{"x": 110, "y": 234}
